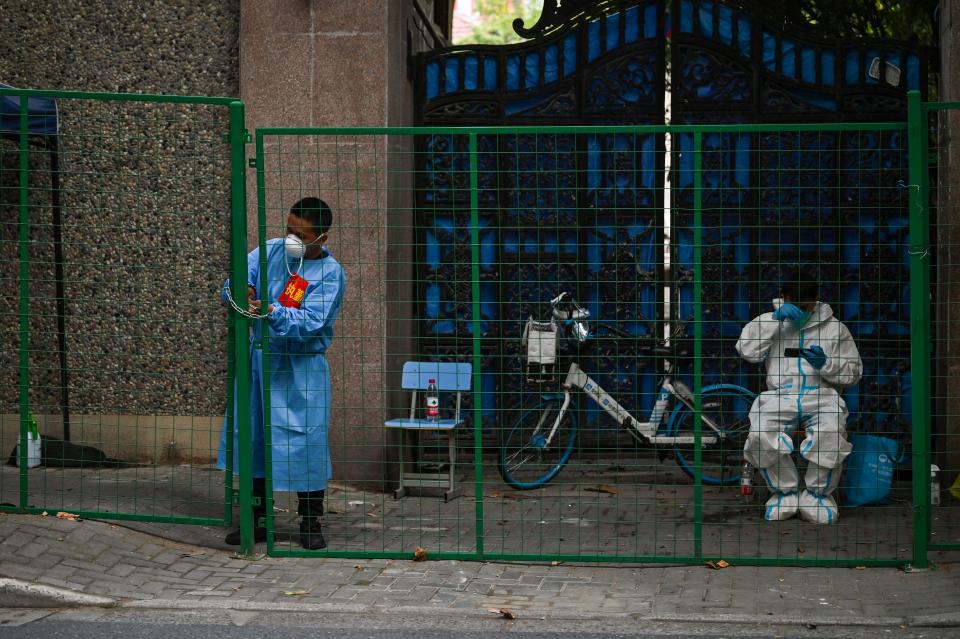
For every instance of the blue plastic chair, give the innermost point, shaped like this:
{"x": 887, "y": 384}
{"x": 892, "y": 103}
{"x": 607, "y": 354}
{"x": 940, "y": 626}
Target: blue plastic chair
{"x": 450, "y": 377}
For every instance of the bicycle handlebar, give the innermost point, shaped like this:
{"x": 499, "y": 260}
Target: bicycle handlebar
{"x": 565, "y": 308}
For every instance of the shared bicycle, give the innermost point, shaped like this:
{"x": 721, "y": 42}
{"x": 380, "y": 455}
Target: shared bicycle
{"x": 541, "y": 442}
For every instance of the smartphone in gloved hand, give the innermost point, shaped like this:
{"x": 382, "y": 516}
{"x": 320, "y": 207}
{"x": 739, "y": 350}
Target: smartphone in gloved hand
{"x": 791, "y": 352}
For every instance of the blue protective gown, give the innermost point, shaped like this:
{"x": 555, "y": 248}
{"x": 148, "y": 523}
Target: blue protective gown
{"x": 299, "y": 375}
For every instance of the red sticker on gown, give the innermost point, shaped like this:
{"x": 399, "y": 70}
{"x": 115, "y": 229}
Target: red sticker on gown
{"x": 293, "y": 292}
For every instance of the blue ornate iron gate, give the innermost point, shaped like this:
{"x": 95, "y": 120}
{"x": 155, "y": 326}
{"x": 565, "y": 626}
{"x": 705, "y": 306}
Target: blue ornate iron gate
{"x": 555, "y": 211}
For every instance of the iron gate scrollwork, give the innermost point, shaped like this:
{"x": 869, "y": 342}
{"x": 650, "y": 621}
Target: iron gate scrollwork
{"x": 587, "y": 209}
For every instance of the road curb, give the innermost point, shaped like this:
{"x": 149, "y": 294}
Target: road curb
{"x": 521, "y": 613}
{"x": 938, "y": 620}
{"x": 16, "y": 593}
{"x": 257, "y": 606}
{"x": 785, "y": 620}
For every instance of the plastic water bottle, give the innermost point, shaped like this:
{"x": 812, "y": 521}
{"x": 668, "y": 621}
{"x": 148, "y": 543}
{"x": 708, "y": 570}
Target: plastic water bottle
{"x": 433, "y": 401}
{"x": 34, "y": 450}
{"x": 934, "y": 485}
{"x": 746, "y": 482}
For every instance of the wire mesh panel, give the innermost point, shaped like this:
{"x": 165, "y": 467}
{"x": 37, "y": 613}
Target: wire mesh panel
{"x": 589, "y": 237}
{"x": 941, "y": 123}
{"x": 608, "y": 362}
{"x": 335, "y": 357}
{"x": 824, "y": 210}
{"x": 115, "y": 218}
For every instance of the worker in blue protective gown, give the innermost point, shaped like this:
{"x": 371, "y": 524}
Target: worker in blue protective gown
{"x": 305, "y": 288}
{"x": 804, "y": 393}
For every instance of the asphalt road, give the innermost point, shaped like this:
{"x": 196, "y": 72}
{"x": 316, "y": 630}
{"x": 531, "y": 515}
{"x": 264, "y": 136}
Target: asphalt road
{"x": 231, "y": 624}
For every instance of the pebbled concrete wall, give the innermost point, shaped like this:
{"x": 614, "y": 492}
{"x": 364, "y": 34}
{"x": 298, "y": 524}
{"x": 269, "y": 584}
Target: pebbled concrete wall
{"x": 145, "y": 211}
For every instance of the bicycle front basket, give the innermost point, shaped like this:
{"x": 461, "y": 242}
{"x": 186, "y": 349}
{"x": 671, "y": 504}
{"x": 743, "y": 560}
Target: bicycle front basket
{"x": 540, "y": 340}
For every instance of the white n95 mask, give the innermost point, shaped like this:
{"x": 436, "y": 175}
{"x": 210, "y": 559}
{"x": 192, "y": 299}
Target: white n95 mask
{"x": 294, "y": 247}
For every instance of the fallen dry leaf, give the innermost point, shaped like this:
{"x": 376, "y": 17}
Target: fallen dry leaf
{"x": 420, "y": 554}
{"x": 296, "y": 593}
{"x": 555, "y": 563}
{"x": 503, "y": 612}
{"x": 603, "y": 488}
{"x": 515, "y": 496}
{"x": 359, "y": 568}
{"x": 68, "y": 516}
{"x": 44, "y": 514}
{"x": 718, "y": 565}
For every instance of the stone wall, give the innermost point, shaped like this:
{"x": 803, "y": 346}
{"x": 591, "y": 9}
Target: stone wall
{"x": 145, "y": 221}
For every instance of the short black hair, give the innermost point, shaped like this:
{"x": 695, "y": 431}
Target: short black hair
{"x": 315, "y": 211}
{"x": 801, "y": 284}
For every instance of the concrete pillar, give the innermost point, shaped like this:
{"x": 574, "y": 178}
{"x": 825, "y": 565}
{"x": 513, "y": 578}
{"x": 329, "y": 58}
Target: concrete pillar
{"x": 341, "y": 63}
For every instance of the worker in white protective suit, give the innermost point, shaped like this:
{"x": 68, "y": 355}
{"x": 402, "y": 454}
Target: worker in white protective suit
{"x": 809, "y": 357}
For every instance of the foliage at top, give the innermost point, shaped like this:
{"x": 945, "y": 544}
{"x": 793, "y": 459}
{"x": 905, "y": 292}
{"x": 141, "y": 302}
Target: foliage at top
{"x": 498, "y": 17}
{"x": 908, "y": 20}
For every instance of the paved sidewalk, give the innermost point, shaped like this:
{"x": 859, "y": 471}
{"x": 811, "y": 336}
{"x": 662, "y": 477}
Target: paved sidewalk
{"x": 609, "y": 508}
{"x": 143, "y": 570}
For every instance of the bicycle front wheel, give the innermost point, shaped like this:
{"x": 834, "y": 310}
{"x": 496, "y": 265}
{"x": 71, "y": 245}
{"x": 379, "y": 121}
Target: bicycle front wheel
{"x": 529, "y": 456}
{"x": 728, "y": 406}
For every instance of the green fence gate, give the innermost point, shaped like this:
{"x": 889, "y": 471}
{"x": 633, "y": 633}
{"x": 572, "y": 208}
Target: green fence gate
{"x": 635, "y": 471}
{"x": 113, "y": 223}
{"x": 118, "y": 262}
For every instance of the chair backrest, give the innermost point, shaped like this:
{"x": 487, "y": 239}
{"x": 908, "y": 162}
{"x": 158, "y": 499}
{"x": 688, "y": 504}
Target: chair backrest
{"x": 450, "y": 376}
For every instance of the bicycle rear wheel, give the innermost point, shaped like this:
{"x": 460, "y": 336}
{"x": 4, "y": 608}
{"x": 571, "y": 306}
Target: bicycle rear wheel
{"x": 527, "y": 460}
{"x": 728, "y": 406}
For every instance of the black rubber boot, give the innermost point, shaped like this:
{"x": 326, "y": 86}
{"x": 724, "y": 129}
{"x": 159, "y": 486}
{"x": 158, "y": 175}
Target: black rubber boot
{"x": 310, "y": 508}
{"x": 259, "y": 532}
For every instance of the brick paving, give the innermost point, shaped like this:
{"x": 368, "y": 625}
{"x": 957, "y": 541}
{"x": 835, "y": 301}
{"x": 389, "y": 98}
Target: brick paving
{"x": 591, "y": 510}
{"x": 161, "y": 564}
{"x": 98, "y": 557}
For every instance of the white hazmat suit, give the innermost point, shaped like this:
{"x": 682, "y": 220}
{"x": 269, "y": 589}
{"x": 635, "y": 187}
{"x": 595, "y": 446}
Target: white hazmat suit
{"x": 800, "y": 396}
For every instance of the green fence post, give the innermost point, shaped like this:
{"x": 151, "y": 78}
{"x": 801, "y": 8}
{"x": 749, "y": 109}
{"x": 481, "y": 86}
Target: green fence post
{"x": 919, "y": 327}
{"x": 697, "y": 344}
{"x": 238, "y": 284}
{"x": 262, "y": 345}
{"x": 231, "y": 420}
{"x": 477, "y": 360}
{"x": 24, "y": 229}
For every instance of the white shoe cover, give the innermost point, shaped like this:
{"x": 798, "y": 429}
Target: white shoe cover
{"x": 820, "y": 509}
{"x": 781, "y": 506}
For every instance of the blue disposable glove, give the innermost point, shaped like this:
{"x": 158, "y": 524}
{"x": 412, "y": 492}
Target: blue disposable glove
{"x": 787, "y": 312}
{"x": 815, "y": 356}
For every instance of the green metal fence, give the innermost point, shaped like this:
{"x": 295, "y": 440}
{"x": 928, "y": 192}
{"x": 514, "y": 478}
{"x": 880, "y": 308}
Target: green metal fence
{"x": 451, "y": 240}
{"x": 666, "y": 489}
{"x": 114, "y": 229}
